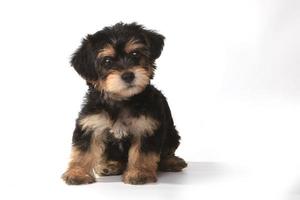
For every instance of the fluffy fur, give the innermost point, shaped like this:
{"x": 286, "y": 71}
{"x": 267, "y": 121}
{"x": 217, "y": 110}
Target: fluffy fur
{"x": 125, "y": 125}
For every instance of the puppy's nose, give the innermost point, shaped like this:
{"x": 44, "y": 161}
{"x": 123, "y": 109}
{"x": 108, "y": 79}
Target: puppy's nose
{"x": 128, "y": 77}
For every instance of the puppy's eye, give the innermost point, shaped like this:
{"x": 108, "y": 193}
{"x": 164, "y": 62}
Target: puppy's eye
{"x": 135, "y": 54}
{"x": 107, "y": 61}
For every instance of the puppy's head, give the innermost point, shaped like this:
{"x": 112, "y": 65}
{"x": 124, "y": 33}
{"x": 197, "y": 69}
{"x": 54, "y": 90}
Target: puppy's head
{"x": 119, "y": 60}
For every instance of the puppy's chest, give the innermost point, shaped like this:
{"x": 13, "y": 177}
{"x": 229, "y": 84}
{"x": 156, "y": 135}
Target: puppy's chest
{"x": 123, "y": 126}
{"x": 126, "y": 125}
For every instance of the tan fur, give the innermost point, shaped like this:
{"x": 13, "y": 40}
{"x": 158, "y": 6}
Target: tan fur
{"x": 85, "y": 160}
{"x": 135, "y": 125}
{"x": 77, "y": 175}
{"x": 114, "y": 84}
{"x": 141, "y": 125}
{"x": 132, "y": 45}
{"x": 110, "y": 168}
{"x": 172, "y": 164}
{"x": 108, "y": 50}
{"x": 122, "y": 127}
{"x": 95, "y": 122}
{"x": 81, "y": 166}
{"x": 141, "y": 167}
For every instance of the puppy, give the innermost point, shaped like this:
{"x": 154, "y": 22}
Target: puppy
{"x": 125, "y": 125}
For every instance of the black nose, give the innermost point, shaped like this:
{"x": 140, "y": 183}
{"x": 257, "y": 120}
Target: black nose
{"x": 128, "y": 77}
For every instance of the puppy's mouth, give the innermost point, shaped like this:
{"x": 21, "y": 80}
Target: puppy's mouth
{"x": 130, "y": 85}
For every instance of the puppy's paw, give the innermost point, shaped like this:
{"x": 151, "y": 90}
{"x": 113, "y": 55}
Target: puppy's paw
{"x": 138, "y": 177}
{"x": 172, "y": 164}
{"x": 77, "y": 176}
{"x": 110, "y": 168}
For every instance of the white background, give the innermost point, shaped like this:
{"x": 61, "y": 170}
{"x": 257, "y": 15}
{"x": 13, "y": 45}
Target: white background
{"x": 230, "y": 70}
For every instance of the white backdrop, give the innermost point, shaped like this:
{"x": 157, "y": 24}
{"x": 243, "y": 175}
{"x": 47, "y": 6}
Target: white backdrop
{"x": 230, "y": 70}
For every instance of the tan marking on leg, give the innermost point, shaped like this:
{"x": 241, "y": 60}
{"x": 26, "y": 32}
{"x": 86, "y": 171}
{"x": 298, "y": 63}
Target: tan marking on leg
{"x": 80, "y": 170}
{"x": 141, "y": 167}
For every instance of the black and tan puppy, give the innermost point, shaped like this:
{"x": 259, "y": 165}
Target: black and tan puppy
{"x": 125, "y": 125}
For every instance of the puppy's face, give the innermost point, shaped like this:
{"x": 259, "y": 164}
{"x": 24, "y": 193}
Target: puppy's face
{"x": 119, "y": 60}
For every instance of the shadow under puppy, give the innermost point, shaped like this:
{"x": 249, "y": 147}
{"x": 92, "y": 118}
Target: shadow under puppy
{"x": 125, "y": 125}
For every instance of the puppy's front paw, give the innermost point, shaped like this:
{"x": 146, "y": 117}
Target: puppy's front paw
{"x": 77, "y": 176}
{"x": 137, "y": 177}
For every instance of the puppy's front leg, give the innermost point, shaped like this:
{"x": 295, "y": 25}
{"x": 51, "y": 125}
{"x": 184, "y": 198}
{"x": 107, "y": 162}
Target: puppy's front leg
{"x": 86, "y": 152}
{"x": 142, "y": 163}
{"x": 80, "y": 168}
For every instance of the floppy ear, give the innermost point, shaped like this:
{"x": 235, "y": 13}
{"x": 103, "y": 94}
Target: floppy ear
{"x": 83, "y": 60}
{"x": 155, "y": 42}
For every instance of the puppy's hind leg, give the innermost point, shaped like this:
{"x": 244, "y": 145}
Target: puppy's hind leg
{"x": 169, "y": 162}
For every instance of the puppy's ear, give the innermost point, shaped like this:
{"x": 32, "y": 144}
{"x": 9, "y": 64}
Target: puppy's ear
{"x": 155, "y": 42}
{"x": 83, "y": 60}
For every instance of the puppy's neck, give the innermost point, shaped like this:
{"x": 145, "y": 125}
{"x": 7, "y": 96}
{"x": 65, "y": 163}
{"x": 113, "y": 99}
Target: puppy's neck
{"x": 111, "y": 99}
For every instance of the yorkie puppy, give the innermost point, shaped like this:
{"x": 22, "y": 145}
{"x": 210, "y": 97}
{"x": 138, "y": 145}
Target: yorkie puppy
{"x": 125, "y": 125}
